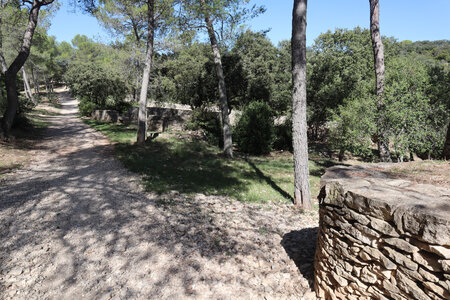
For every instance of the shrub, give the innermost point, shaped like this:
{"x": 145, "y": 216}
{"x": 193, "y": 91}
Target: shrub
{"x": 25, "y": 106}
{"x": 254, "y": 133}
{"x": 86, "y": 107}
{"x": 101, "y": 88}
{"x": 283, "y": 136}
{"x": 209, "y": 123}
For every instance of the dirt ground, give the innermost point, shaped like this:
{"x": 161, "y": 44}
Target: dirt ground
{"x": 426, "y": 172}
{"x": 75, "y": 224}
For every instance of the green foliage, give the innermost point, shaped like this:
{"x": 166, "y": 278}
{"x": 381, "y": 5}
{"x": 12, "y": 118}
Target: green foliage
{"x": 352, "y": 125}
{"x": 86, "y": 107}
{"x": 283, "y": 135}
{"x": 436, "y": 50}
{"x": 25, "y": 106}
{"x": 254, "y": 132}
{"x": 340, "y": 66}
{"x": 186, "y": 77}
{"x": 259, "y": 60}
{"x": 415, "y": 121}
{"x": 209, "y": 123}
{"x": 96, "y": 88}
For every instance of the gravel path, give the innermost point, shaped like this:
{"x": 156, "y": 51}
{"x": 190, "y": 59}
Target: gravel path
{"x": 76, "y": 225}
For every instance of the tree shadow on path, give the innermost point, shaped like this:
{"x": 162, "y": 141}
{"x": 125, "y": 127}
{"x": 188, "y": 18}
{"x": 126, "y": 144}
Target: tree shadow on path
{"x": 300, "y": 245}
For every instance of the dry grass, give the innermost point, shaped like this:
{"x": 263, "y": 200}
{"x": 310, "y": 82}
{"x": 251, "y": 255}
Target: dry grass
{"x": 436, "y": 172}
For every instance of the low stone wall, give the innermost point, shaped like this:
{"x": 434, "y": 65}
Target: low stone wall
{"x": 110, "y": 116}
{"x": 158, "y": 118}
{"x": 381, "y": 238}
{"x": 161, "y": 118}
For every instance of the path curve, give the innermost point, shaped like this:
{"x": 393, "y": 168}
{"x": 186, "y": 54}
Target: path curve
{"x": 75, "y": 224}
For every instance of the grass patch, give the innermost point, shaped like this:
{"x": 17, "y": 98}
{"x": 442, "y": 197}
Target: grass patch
{"x": 16, "y": 153}
{"x": 177, "y": 161}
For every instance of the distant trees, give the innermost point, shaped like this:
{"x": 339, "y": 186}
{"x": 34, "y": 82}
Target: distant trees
{"x": 228, "y": 15}
{"x": 10, "y": 72}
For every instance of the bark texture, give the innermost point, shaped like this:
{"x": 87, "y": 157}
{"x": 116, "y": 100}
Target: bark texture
{"x": 142, "y": 118}
{"x": 302, "y": 195}
{"x": 378, "y": 55}
{"x": 447, "y": 144}
{"x": 223, "y": 99}
{"x": 17, "y": 64}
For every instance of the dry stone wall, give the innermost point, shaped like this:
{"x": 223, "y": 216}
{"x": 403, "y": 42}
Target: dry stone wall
{"x": 381, "y": 238}
{"x": 158, "y": 118}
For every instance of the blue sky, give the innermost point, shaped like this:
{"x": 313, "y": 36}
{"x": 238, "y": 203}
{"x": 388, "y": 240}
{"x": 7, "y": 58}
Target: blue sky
{"x": 403, "y": 19}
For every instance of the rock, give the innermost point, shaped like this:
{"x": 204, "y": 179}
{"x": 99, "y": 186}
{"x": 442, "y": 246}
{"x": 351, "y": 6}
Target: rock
{"x": 389, "y": 287}
{"x": 428, "y": 260}
{"x": 341, "y": 281}
{"x": 428, "y": 275}
{"x": 410, "y": 287}
{"x": 401, "y": 244}
{"x": 436, "y": 289}
{"x": 383, "y": 227}
{"x": 445, "y": 265}
{"x": 368, "y": 276}
{"x": 441, "y": 251}
{"x": 367, "y": 230}
{"x": 375, "y": 253}
{"x": 384, "y": 238}
{"x": 16, "y": 271}
{"x": 350, "y": 214}
{"x": 400, "y": 258}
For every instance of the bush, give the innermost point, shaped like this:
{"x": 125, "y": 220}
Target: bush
{"x": 283, "y": 136}
{"x": 86, "y": 107}
{"x": 25, "y": 106}
{"x": 209, "y": 123}
{"x": 254, "y": 133}
{"x": 96, "y": 88}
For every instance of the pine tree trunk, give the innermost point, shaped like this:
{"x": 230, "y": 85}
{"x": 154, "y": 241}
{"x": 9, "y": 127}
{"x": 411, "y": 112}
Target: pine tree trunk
{"x": 46, "y": 85}
{"x": 302, "y": 195}
{"x": 142, "y": 118}
{"x": 378, "y": 54}
{"x": 447, "y": 144}
{"x": 226, "y": 126}
{"x": 33, "y": 78}
{"x": 12, "y": 103}
{"x": 17, "y": 64}
{"x": 38, "y": 83}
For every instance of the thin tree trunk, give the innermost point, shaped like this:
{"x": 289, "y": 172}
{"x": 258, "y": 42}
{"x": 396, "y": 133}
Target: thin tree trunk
{"x": 302, "y": 195}
{"x": 142, "y": 118}
{"x": 226, "y": 126}
{"x": 46, "y": 85}
{"x": 447, "y": 144}
{"x": 33, "y": 77}
{"x": 378, "y": 54}
{"x": 27, "y": 87}
{"x": 38, "y": 91}
{"x": 3, "y": 66}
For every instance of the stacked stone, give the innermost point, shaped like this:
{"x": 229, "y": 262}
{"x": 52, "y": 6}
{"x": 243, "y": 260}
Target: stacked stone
{"x": 381, "y": 238}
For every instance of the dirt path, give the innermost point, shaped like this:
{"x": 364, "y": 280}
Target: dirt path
{"x": 76, "y": 225}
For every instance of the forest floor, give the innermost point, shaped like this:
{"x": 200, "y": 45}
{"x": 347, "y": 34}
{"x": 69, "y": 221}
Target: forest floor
{"x": 19, "y": 150}
{"x": 74, "y": 223}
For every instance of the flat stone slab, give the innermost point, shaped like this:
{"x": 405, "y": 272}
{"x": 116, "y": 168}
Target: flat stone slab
{"x": 422, "y": 210}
